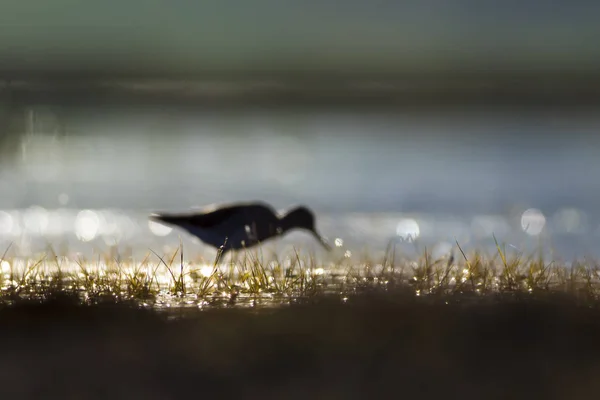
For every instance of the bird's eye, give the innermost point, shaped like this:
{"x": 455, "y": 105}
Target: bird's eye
{"x": 247, "y": 227}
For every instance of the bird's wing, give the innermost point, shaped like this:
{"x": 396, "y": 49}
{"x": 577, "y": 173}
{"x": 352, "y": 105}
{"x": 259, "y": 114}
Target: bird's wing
{"x": 216, "y": 216}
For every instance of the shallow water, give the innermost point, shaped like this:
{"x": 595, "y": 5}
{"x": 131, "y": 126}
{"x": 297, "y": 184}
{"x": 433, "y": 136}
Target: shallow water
{"x": 83, "y": 178}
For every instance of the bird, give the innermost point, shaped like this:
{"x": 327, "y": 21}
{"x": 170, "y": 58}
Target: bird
{"x": 241, "y": 225}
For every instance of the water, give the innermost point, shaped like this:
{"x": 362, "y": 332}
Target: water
{"x": 85, "y": 178}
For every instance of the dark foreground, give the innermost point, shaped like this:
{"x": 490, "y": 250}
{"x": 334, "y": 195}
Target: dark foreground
{"x": 369, "y": 348}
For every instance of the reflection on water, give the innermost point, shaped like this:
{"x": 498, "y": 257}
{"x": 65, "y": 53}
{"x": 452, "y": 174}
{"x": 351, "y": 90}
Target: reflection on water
{"x": 87, "y": 178}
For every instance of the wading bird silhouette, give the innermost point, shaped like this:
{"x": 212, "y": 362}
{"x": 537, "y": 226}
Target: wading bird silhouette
{"x": 241, "y": 225}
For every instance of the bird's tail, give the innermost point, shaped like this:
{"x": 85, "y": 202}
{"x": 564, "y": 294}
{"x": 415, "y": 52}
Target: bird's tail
{"x": 166, "y": 218}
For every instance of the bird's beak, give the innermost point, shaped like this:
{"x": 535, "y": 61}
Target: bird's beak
{"x": 322, "y": 241}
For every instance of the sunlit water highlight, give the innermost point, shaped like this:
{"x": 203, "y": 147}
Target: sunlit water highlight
{"x": 168, "y": 281}
{"x": 96, "y": 231}
{"x": 116, "y": 255}
{"x": 84, "y": 180}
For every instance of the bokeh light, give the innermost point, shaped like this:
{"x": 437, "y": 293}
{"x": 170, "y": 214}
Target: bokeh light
{"x": 35, "y": 220}
{"x": 533, "y": 221}
{"x": 206, "y": 270}
{"x": 87, "y": 225}
{"x": 569, "y": 220}
{"x": 6, "y": 223}
{"x": 159, "y": 229}
{"x": 5, "y": 267}
{"x": 408, "y": 229}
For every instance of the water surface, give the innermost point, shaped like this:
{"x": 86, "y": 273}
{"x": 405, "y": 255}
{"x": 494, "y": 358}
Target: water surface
{"x": 88, "y": 176}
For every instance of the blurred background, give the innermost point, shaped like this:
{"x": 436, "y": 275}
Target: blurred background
{"x": 429, "y": 120}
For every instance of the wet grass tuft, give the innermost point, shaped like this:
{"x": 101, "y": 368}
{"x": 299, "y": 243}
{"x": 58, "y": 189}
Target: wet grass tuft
{"x": 252, "y": 280}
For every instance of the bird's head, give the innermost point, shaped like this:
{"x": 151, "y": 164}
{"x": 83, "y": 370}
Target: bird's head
{"x": 302, "y": 218}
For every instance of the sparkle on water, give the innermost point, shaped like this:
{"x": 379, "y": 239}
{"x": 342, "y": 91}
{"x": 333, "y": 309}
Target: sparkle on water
{"x": 198, "y": 284}
{"x": 206, "y": 270}
{"x": 5, "y": 267}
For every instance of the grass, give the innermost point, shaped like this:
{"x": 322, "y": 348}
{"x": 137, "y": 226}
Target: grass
{"x": 251, "y": 279}
{"x": 470, "y": 326}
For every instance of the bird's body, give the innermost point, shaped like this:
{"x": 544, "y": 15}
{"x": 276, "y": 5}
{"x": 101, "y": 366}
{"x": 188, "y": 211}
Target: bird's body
{"x": 242, "y": 225}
